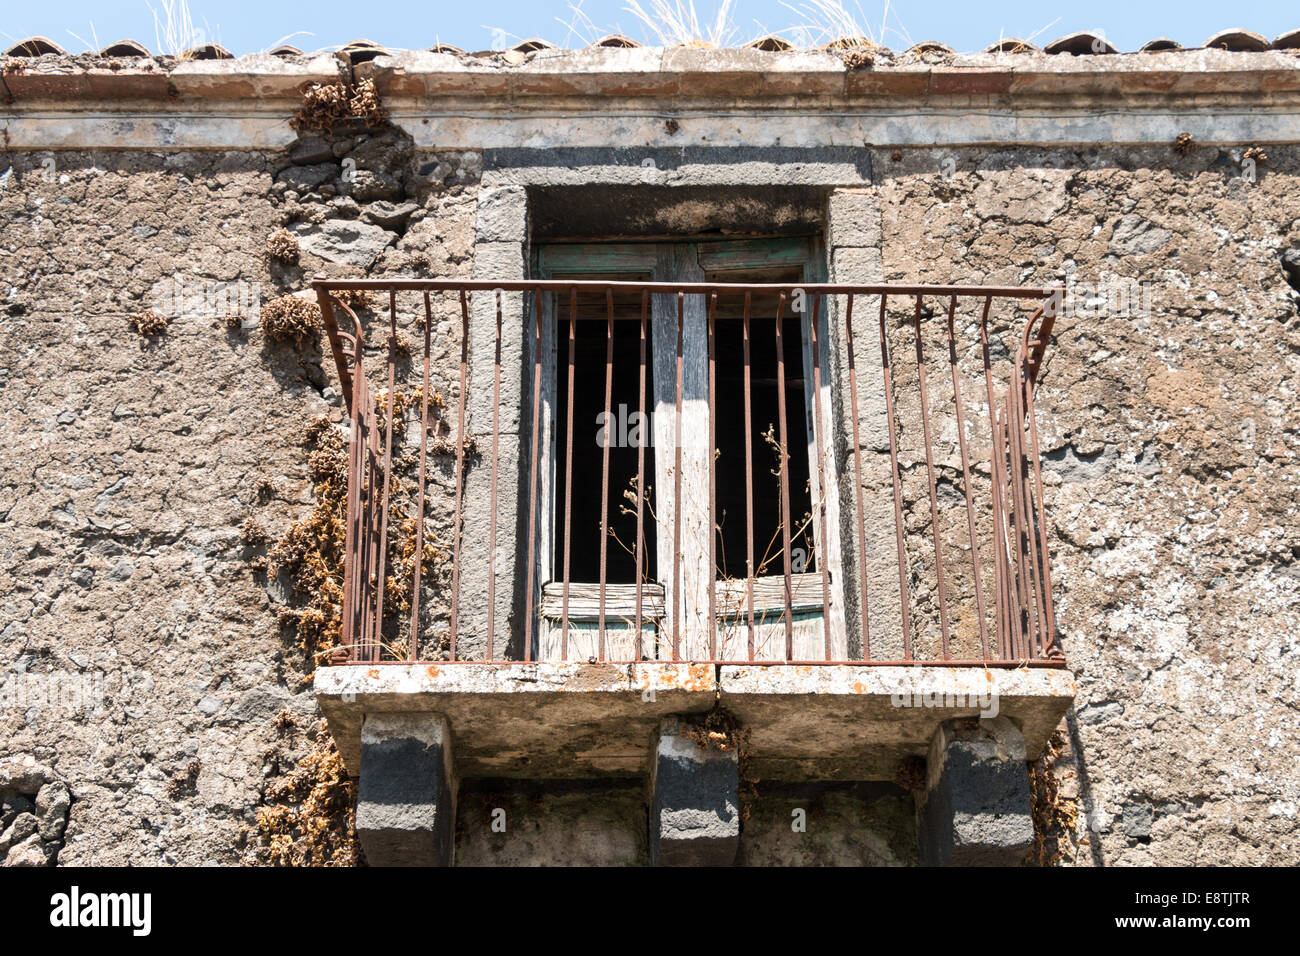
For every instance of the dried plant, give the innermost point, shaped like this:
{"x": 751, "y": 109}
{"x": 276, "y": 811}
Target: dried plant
{"x": 174, "y": 30}
{"x": 148, "y": 323}
{"x": 309, "y": 816}
{"x": 290, "y": 318}
{"x": 677, "y": 23}
{"x": 327, "y": 105}
{"x": 282, "y": 246}
{"x": 833, "y": 23}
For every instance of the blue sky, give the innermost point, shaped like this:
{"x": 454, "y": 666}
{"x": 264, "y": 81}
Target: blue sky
{"x": 245, "y": 26}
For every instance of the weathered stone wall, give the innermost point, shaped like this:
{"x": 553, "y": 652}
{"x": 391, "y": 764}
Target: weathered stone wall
{"x": 144, "y": 657}
{"x": 1170, "y": 462}
{"x": 132, "y": 463}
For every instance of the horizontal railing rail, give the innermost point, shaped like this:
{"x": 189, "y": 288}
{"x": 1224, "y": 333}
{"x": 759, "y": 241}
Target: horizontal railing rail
{"x": 963, "y": 591}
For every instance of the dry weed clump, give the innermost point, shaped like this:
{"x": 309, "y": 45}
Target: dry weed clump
{"x": 309, "y": 816}
{"x": 290, "y": 318}
{"x": 282, "y": 246}
{"x": 147, "y": 323}
{"x": 1056, "y": 816}
{"x": 327, "y": 105}
{"x": 353, "y": 298}
{"x": 252, "y": 533}
{"x": 858, "y": 58}
{"x": 719, "y": 730}
{"x": 1183, "y": 143}
{"x": 311, "y": 551}
{"x": 1256, "y": 154}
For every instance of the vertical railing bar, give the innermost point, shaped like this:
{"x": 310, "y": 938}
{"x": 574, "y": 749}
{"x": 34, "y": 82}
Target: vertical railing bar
{"x": 821, "y": 473}
{"x": 568, "y": 472}
{"x": 1009, "y": 628}
{"x": 677, "y": 484}
{"x": 531, "y": 594}
{"x": 888, "y": 376}
{"x": 353, "y": 538}
{"x": 857, "y": 476}
{"x": 352, "y": 530}
{"x": 373, "y": 621}
{"x": 1014, "y": 425}
{"x": 1033, "y": 607}
{"x": 1034, "y": 517}
{"x": 604, "y": 467}
{"x": 492, "y": 514}
{"x": 997, "y": 458}
{"x": 712, "y": 577}
{"x": 934, "y": 488}
{"x": 388, "y": 458}
{"x": 1014, "y": 531}
{"x": 1050, "y": 648}
{"x": 459, "y": 521}
{"x": 640, "y": 474}
{"x": 965, "y": 471}
{"x": 366, "y": 524}
{"x": 749, "y": 479}
{"x": 419, "y": 507}
{"x": 784, "y": 474}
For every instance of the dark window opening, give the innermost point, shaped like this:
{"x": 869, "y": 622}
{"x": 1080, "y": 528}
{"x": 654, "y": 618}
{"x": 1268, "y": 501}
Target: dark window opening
{"x": 729, "y": 467}
{"x": 621, "y": 431}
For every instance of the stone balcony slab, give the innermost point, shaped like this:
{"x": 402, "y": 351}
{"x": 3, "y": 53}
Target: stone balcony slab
{"x": 575, "y": 720}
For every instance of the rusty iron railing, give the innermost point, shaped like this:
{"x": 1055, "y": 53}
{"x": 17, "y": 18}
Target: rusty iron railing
{"x": 1020, "y": 629}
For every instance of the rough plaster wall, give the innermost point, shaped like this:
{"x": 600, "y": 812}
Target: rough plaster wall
{"x": 131, "y": 464}
{"x": 854, "y": 824}
{"x": 1170, "y": 448}
{"x": 603, "y": 823}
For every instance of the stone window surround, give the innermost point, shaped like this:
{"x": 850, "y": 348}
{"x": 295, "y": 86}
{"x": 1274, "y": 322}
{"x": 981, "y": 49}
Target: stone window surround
{"x": 501, "y": 251}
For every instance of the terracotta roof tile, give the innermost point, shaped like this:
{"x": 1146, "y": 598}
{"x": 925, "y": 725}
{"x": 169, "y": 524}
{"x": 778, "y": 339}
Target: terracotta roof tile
{"x": 1081, "y": 44}
{"x": 34, "y": 46}
{"x": 1240, "y": 41}
{"x": 363, "y": 51}
{"x": 207, "y": 51}
{"x": 770, "y": 44}
{"x": 532, "y": 46}
{"x": 930, "y": 46}
{"x": 1013, "y": 45}
{"x": 617, "y": 40}
{"x": 1287, "y": 41}
{"x": 125, "y": 48}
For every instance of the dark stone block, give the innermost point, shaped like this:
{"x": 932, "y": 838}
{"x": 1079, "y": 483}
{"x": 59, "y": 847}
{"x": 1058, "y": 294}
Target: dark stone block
{"x": 694, "y": 812}
{"x": 406, "y": 794}
{"x": 976, "y": 808}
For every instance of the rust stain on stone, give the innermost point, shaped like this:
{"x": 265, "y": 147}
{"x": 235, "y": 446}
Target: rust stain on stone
{"x": 590, "y": 676}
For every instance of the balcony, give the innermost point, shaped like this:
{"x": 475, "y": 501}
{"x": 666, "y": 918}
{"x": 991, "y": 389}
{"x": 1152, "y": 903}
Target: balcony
{"x": 580, "y": 508}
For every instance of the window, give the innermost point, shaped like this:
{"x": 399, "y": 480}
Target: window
{"x": 746, "y": 468}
